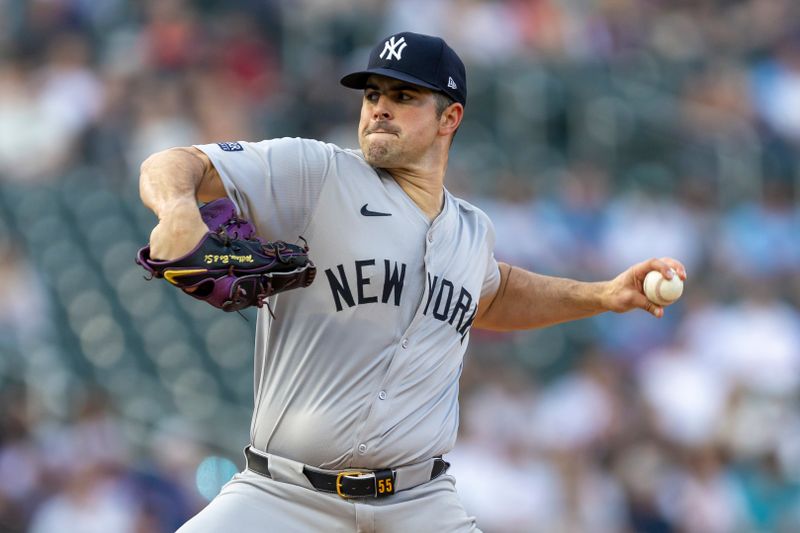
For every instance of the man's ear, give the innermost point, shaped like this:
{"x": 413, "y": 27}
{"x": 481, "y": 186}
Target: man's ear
{"x": 451, "y": 119}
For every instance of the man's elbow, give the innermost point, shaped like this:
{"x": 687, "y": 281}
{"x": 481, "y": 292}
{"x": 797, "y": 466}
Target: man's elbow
{"x": 158, "y": 158}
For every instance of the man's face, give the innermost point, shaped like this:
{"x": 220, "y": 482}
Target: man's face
{"x": 398, "y": 122}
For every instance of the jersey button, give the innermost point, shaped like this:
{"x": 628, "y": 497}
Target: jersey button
{"x": 362, "y": 448}
{"x": 404, "y": 344}
{"x": 430, "y": 237}
{"x": 382, "y": 395}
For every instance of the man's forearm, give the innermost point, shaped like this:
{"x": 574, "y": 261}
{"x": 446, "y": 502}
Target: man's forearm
{"x": 171, "y": 182}
{"x": 169, "y": 179}
{"x": 526, "y": 300}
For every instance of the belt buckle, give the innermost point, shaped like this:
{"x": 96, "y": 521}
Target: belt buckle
{"x": 349, "y": 473}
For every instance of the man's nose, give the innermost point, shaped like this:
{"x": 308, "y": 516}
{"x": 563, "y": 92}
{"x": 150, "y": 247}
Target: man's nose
{"x": 381, "y": 111}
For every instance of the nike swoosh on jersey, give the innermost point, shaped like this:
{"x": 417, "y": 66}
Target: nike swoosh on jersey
{"x": 367, "y": 213}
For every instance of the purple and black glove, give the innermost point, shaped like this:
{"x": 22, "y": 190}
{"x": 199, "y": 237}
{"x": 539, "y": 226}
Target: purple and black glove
{"x": 230, "y": 267}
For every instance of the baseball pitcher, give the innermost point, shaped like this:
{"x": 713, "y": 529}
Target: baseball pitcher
{"x": 356, "y": 374}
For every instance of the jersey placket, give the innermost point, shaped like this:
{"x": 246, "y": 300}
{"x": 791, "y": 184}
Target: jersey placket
{"x": 381, "y": 398}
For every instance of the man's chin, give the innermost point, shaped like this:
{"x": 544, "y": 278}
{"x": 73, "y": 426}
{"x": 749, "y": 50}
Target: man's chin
{"x": 378, "y": 155}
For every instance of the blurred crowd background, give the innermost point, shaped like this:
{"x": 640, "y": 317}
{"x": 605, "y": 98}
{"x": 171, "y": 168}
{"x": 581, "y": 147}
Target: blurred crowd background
{"x": 598, "y": 133}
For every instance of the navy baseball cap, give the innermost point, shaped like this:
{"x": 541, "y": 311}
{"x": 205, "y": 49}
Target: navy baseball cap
{"x": 419, "y": 59}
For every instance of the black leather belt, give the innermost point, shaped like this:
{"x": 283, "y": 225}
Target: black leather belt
{"x": 347, "y": 483}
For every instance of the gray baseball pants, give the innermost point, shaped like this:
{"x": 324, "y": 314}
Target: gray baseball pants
{"x": 252, "y": 503}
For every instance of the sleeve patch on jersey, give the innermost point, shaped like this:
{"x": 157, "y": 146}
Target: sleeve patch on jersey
{"x": 231, "y": 146}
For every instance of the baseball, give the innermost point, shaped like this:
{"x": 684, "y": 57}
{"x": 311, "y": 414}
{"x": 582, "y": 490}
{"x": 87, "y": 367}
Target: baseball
{"x": 660, "y": 290}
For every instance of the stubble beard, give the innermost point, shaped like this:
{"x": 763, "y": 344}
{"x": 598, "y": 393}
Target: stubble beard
{"x": 382, "y": 154}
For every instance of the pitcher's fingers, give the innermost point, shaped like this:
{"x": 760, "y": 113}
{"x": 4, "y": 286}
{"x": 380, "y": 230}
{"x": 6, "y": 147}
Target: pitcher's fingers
{"x": 641, "y": 301}
{"x": 656, "y": 264}
{"x": 675, "y": 265}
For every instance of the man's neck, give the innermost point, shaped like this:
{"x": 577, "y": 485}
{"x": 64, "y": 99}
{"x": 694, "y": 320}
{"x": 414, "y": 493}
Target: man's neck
{"x": 423, "y": 182}
{"x": 425, "y": 189}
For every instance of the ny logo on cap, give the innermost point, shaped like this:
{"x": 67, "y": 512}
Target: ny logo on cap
{"x": 394, "y": 48}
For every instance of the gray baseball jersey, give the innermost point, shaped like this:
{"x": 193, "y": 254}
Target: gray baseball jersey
{"x": 360, "y": 369}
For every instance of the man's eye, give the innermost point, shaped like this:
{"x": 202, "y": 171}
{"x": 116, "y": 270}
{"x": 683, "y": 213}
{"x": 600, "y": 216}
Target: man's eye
{"x": 405, "y": 96}
{"x": 372, "y": 97}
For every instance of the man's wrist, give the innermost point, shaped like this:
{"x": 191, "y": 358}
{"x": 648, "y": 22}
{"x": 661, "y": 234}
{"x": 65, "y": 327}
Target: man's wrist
{"x": 602, "y": 292}
{"x": 178, "y": 208}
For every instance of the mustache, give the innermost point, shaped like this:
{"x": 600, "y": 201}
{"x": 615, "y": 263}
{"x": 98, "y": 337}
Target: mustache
{"x": 383, "y": 127}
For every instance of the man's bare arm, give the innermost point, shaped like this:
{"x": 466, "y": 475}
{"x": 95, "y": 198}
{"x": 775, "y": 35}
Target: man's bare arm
{"x": 170, "y": 184}
{"x": 526, "y": 300}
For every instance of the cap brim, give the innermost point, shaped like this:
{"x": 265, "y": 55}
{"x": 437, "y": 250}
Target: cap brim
{"x": 358, "y": 80}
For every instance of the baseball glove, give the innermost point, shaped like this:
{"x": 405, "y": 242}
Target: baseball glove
{"x": 230, "y": 267}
